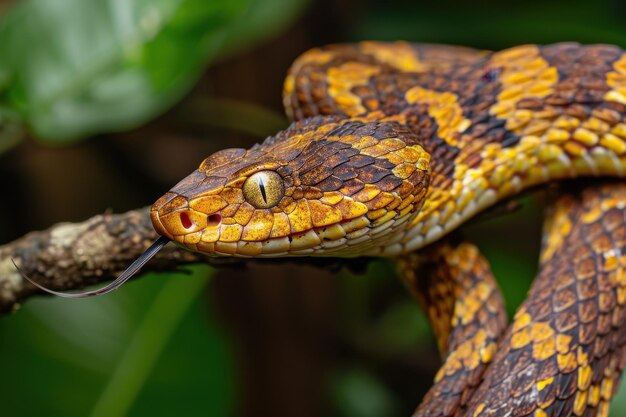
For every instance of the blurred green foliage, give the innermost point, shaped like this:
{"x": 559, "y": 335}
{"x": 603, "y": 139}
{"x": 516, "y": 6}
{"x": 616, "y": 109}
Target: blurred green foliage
{"x": 75, "y": 68}
{"x": 358, "y": 393}
{"x": 492, "y": 24}
{"x": 70, "y": 69}
{"x": 99, "y": 358}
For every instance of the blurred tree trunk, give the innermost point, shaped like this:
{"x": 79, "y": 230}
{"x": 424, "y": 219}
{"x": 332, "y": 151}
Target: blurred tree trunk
{"x": 282, "y": 317}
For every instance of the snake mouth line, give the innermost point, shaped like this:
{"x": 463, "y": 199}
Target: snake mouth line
{"x": 305, "y": 243}
{"x": 332, "y": 240}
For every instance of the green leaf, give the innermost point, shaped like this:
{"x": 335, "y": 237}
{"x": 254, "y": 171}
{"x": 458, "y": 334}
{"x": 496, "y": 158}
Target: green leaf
{"x": 73, "y": 68}
{"x": 78, "y": 67}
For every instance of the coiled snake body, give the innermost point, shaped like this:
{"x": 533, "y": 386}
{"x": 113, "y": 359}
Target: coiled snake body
{"x": 394, "y": 146}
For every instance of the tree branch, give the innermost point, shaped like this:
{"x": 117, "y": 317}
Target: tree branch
{"x": 71, "y": 256}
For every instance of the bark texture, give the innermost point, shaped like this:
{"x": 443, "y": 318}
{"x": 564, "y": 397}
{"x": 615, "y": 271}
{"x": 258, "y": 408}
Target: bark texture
{"x": 70, "y": 256}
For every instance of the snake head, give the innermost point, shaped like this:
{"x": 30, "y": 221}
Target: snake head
{"x": 326, "y": 186}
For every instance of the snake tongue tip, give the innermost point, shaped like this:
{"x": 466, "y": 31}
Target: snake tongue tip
{"x": 115, "y": 284}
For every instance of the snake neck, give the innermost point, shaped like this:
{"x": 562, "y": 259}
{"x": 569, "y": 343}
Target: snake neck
{"x": 467, "y": 181}
{"x": 518, "y": 119}
{"x": 478, "y": 164}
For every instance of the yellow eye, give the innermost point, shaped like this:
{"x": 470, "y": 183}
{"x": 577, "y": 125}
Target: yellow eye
{"x": 264, "y": 189}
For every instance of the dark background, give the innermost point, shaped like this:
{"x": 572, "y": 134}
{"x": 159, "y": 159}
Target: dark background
{"x": 261, "y": 340}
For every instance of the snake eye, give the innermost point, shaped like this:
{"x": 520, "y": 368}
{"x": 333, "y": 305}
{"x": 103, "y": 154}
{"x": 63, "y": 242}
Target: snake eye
{"x": 264, "y": 189}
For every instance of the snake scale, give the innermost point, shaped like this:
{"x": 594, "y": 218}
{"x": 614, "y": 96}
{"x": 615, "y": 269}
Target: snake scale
{"x": 393, "y": 146}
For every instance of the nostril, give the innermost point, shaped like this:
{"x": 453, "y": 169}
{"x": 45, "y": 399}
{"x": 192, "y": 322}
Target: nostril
{"x": 213, "y": 219}
{"x": 185, "y": 220}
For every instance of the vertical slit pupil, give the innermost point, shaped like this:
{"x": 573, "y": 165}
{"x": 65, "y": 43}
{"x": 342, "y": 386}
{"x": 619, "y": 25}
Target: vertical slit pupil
{"x": 262, "y": 188}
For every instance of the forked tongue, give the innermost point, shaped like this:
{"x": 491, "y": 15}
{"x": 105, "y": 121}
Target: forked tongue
{"x": 118, "y": 282}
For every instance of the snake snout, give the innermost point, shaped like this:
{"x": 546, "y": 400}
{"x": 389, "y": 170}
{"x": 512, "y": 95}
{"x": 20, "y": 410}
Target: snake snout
{"x": 157, "y": 224}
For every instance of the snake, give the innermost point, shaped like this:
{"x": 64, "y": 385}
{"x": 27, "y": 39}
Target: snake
{"x": 393, "y": 146}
